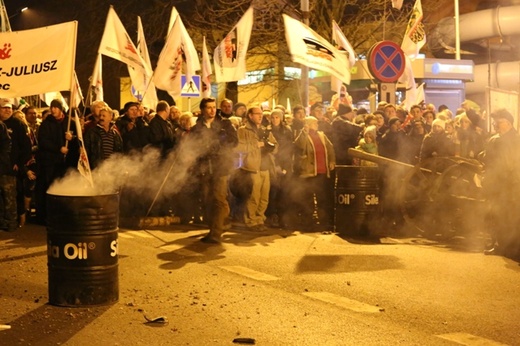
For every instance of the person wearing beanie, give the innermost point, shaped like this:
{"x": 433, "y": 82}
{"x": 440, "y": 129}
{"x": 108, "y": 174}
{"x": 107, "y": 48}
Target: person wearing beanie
{"x": 436, "y": 143}
{"x": 239, "y": 109}
{"x": 345, "y": 134}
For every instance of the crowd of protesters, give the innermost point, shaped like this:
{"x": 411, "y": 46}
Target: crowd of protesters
{"x": 253, "y": 167}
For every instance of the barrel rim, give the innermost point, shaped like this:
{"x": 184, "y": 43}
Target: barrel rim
{"x": 84, "y": 196}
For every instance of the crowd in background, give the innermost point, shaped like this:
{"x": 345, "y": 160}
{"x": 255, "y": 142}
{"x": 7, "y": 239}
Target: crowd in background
{"x": 253, "y": 167}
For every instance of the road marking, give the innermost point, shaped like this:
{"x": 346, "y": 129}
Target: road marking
{"x": 124, "y": 235}
{"x": 343, "y": 302}
{"x": 468, "y": 339}
{"x": 250, "y": 273}
{"x": 132, "y": 234}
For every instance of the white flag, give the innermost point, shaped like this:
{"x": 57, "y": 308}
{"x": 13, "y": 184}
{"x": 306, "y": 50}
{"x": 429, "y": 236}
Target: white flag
{"x": 116, "y": 44}
{"x": 206, "y": 70}
{"x": 408, "y": 79}
{"x": 230, "y": 55}
{"x": 339, "y": 39}
{"x": 96, "y": 80}
{"x": 420, "y": 94}
{"x": 26, "y": 73}
{"x": 83, "y": 164}
{"x": 415, "y": 36}
{"x": 413, "y": 40}
{"x": 147, "y": 87}
{"x": 76, "y": 94}
{"x": 310, "y": 49}
{"x": 178, "y": 48}
{"x": 173, "y": 18}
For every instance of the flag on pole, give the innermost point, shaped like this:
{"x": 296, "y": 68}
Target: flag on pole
{"x": 206, "y": 70}
{"x": 397, "y": 4}
{"x": 147, "y": 86}
{"x": 116, "y": 44}
{"x": 76, "y": 94}
{"x": 26, "y": 73}
{"x": 420, "y": 94}
{"x": 339, "y": 39}
{"x": 414, "y": 39}
{"x": 289, "y": 109}
{"x": 230, "y": 55}
{"x": 173, "y": 18}
{"x": 415, "y": 36}
{"x": 83, "y": 164}
{"x": 310, "y": 49}
{"x": 5, "y": 26}
{"x": 178, "y": 48}
{"x": 96, "y": 80}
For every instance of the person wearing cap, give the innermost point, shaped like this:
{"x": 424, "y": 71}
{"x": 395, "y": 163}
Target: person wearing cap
{"x": 133, "y": 129}
{"x": 501, "y": 185}
{"x": 51, "y": 155}
{"x": 345, "y": 134}
{"x": 436, "y": 143}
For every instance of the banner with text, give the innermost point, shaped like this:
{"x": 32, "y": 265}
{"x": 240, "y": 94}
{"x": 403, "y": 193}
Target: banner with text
{"x": 24, "y": 72}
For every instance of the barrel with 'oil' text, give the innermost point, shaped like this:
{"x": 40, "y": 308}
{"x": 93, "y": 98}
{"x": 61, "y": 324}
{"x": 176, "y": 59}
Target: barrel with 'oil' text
{"x": 356, "y": 200}
{"x": 82, "y": 249}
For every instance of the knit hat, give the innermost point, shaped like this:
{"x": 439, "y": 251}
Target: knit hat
{"x": 238, "y": 105}
{"x": 439, "y": 122}
{"x": 57, "y": 104}
{"x": 344, "y": 109}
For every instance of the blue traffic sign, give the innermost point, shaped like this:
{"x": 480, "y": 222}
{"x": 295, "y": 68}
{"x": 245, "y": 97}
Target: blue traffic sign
{"x": 190, "y": 88}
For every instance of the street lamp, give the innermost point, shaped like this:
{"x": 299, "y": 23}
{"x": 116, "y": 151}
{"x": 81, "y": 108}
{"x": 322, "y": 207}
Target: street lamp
{"x": 19, "y": 11}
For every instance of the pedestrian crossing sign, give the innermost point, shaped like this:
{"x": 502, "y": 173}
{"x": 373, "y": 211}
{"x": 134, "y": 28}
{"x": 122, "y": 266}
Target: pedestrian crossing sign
{"x": 190, "y": 88}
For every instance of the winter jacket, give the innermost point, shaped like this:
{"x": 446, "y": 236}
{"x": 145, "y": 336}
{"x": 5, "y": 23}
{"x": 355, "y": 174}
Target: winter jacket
{"x": 306, "y": 158}
{"x": 248, "y": 138}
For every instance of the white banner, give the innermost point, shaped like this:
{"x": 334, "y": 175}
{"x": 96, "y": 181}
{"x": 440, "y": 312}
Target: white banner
{"x": 230, "y": 55}
{"x": 116, "y": 44}
{"x": 310, "y": 49}
{"x": 178, "y": 48}
{"x": 30, "y": 66}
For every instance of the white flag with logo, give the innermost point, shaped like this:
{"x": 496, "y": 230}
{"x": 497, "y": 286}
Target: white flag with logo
{"x": 116, "y": 44}
{"x": 310, "y": 49}
{"x": 25, "y": 72}
{"x": 415, "y": 36}
{"x": 397, "y": 4}
{"x": 96, "y": 80}
{"x": 143, "y": 84}
{"x": 76, "y": 93}
{"x": 230, "y": 55}
{"x": 178, "y": 48}
{"x": 206, "y": 70}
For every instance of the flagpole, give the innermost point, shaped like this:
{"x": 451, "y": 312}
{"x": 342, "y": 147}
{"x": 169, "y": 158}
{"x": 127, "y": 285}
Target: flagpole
{"x": 305, "y": 69}
{"x": 457, "y": 31}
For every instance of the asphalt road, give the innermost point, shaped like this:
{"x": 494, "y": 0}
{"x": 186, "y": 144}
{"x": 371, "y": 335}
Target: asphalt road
{"x": 276, "y": 288}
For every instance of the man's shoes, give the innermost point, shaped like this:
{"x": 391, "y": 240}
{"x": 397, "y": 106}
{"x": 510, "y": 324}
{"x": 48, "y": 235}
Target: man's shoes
{"x": 208, "y": 239}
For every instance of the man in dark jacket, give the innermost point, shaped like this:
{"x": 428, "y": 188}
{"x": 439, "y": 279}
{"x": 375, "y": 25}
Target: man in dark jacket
{"x": 50, "y": 158}
{"x": 215, "y": 139}
{"x": 345, "y": 134}
{"x": 161, "y": 130}
{"x": 133, "y": 129}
